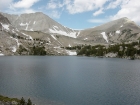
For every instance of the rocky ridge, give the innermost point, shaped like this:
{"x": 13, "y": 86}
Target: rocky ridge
{"x": 37, "y": 29}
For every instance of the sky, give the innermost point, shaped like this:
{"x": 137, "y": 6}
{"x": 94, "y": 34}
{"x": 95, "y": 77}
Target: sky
{"x": 76, "y": 14}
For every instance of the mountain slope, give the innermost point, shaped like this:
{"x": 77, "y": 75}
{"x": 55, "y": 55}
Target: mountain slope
{"x": 27, "y": 31}
{"x": 112, "y": 32}
{"x": 39, "y": 22}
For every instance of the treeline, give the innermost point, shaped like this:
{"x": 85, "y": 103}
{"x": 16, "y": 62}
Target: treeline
{"x": 121, "y": 50}
{"x": 23, "y": 102}
{"x": 35, "y": 50}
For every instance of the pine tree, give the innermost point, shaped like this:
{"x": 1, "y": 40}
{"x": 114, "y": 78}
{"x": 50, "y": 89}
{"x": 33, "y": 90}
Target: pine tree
{"x": 22, "y": 101}
{"x": 29, "y": 102}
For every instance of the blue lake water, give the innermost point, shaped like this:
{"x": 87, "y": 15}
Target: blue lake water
{"x": 71, "y": 80}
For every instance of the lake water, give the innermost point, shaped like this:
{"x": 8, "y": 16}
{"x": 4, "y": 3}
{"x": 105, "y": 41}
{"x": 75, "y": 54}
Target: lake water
{"x": 71, "y": 80}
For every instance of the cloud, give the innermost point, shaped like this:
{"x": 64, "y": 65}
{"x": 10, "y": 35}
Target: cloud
{"x": 97, "y": 20}
{"x": 114, "y": 4}
{"x": 54, "y": 4}
{"x": 130, "y": 9}
{"x": 29, "y": 11}
{"x": 79, "y": 6}
{"x": 51, "y": 5}
{"x": 76, "y": 6}
{"x": 54, "y": 14}
{"x": 21, "y": 6}
{"x": 100, "y": 11}
{"x": 55, "y": 8}
{"x": 24, "y": 3}
{"x": 5, "y": 3}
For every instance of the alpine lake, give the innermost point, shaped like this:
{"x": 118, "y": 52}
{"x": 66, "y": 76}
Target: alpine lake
{"x": 71, "y": 80}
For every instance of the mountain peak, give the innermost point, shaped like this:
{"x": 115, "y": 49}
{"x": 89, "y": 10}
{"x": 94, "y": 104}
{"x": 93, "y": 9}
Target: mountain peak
{"x": 126, "y": 20}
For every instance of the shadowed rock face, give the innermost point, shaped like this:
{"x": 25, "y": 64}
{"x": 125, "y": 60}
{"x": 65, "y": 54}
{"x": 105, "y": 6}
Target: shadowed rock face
{"x": 4, "y": 20}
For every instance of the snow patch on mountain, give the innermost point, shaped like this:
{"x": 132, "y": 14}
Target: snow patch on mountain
{"x": 78, "y": 33}
{"x": 5, "y": 26}
{"x": 55, "y": 27}
{"x": 22, "y": 24}
{"x": 27, "y": 36}
{"x": 57, "y": 47}
{"x": 1, "y": 54}
{"x": 17, "y": 30}
{"x": 71, "y": 52}
{"x": 34, "y": 22}
{"x": 104, "y": 36}
{"x": 14, "y": 49}
{"x": 27, "y": 24}
{"x": 69, "y": 45}
{"x": 110, "y": 34}
{"x": 31, "y": 30}
{"x": 13, "y": 31}
{"x": 53, "y": 37}
{"x": 121, "y": 26}
{"x": 118, "y": 31}
{"x": 60, "y": 32}
{"x": 85, "y": 38}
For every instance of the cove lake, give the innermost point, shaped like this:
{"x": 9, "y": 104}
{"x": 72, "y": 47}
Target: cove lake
{"x": 71, "y": 80}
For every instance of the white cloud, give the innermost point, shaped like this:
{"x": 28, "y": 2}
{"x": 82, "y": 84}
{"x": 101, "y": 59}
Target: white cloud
{"x": 114, "y": 4}
{"x": 20, "y": 11}
{"x": 130, "y": 9}
{"x": 55, "y": 14}
{"x": 21, "y": 6}
{"x": 54, "y": 4}
{"x": 29, "y": 11}
{"x": 97, "y": 20}
{"x": 51, "y": 5}
{"x": 24, "y": 3}
{"x": 79, "y": 6}
{"x": 76, "y": 6}
{"x": 5, "y": 3}
{"x": 100, "y": 11}
{"x": 54, "y": 8}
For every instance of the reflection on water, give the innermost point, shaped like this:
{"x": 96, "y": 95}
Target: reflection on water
{"x": 71, "y": 80}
